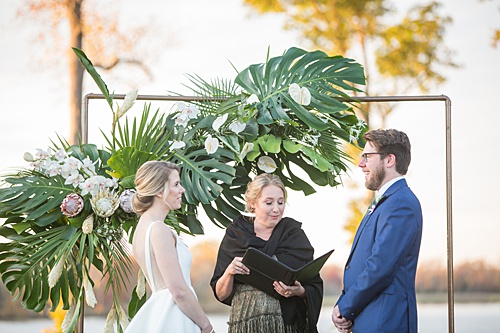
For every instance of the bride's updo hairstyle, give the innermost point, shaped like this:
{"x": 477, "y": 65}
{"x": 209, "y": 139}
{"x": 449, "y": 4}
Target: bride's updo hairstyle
{"x": 150, "y": 180}
{"x": 254, "y": 188}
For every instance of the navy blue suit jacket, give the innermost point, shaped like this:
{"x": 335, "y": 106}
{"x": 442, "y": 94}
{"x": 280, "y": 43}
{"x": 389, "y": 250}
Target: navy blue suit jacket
{"x": 379, "y": 277}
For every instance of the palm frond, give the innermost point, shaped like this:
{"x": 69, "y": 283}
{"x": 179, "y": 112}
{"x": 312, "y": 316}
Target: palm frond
{"x": 26, "y": 259}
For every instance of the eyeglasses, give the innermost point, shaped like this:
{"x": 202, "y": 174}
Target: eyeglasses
{"x": 364, "y": 156}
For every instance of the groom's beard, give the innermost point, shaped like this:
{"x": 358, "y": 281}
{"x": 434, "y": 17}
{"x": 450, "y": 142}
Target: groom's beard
{"x": 377, "y": 176}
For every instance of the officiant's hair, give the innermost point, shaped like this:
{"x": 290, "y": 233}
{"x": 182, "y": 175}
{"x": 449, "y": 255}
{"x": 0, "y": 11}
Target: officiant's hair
{"x": 254, "y": 188}
{"x": 391, "y": 141}
{"x": 151, "y": 179}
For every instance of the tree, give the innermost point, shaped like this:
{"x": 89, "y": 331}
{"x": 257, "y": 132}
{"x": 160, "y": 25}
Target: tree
{"x": 92, "y": 26}
{"x": 397, "y": 58}
{"x": 399, "y": 55}
{"x": 495, "y": 39}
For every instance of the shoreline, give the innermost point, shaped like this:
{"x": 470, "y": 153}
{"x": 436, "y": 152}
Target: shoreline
{"x": 433, "y": 318}
{"x": 424, "y": 299}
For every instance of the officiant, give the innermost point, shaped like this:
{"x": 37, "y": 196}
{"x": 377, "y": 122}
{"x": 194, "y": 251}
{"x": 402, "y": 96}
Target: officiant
{"x": 296, "y": 308}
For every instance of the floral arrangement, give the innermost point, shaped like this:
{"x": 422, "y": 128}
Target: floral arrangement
{"x": 70, "y": 210}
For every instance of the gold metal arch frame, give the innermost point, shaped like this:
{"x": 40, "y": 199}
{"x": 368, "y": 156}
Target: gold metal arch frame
{"x": 367, "y": 99}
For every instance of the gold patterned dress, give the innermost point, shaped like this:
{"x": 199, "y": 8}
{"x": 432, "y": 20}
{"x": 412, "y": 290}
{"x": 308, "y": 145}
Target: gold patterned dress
{"x": 254, "y": 311}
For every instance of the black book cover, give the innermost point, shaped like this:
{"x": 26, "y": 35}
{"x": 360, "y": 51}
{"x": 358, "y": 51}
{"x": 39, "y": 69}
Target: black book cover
{"x": 264, "y": 270}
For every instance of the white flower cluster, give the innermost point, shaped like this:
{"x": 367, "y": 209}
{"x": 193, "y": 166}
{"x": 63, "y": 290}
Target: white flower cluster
{"x": 78, "y": 173}
{"x": 82, "y": 175}
{"x": 189, "y": 111}
{"x": 356, "y": 130}
{"x": 212, "y": 143}
{"x": 300, "y": 95}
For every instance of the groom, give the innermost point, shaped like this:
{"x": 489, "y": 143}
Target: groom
{"x": 379, "y": 276}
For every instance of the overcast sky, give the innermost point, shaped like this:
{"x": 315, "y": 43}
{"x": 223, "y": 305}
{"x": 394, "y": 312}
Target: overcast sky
{"x": 203, "y": 37}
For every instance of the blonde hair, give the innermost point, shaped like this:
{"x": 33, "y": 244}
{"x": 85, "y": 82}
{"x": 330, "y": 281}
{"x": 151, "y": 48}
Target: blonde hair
{"x": 150, "y": 180}
{"x": 254, "y": 188}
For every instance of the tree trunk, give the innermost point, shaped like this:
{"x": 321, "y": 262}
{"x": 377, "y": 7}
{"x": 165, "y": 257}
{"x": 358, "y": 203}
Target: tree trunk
{"x": 75, "y": 70}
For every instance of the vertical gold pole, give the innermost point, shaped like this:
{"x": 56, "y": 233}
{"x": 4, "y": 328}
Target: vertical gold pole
{"x": 451, "y": 288}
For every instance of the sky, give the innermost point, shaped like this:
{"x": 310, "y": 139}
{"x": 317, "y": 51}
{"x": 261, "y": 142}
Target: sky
{"x": 208, "y": 38}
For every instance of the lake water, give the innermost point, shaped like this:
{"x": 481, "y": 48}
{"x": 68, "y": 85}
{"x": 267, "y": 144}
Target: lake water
{"x": 433, "y": 318}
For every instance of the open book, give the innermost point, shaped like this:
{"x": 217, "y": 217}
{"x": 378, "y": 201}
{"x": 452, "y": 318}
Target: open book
{"x": 264, "y": 270}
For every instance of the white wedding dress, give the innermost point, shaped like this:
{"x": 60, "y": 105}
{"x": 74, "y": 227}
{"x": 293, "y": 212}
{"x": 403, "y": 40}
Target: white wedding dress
{"x": 160, "y": 313}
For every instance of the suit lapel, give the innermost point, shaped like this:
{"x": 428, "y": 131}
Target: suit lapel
{"x": 390, "y": 191}
{"x": 358, "y": 232}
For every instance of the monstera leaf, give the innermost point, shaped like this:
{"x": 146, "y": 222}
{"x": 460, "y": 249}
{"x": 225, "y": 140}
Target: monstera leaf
{"x": 231, "y": 202}
{"x": 34, "y": 196}
{"x": 202, "y": 175}
{"x": 322, "y": 75}
{"x": 299, "y": 113}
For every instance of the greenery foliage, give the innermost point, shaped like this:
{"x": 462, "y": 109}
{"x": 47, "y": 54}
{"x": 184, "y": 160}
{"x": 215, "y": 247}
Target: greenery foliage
{"x": 290, "y": 115}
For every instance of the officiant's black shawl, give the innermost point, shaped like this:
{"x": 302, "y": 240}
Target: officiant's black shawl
{"x": 290, "y": 245}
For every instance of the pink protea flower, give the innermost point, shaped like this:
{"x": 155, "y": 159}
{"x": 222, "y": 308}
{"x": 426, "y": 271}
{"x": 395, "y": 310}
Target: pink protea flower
{"x": 72, "y": 205}
{"x": 125, "y": 198}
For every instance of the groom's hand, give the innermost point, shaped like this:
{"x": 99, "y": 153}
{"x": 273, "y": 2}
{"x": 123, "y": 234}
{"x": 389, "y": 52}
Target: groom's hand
{"x": 342, "y": 324}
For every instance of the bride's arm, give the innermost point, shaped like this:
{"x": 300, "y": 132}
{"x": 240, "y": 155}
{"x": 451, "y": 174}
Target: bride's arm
{"x": 163, "y": 244}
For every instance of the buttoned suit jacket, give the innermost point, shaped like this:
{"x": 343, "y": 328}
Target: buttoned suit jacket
{"x": 379, "y": 276}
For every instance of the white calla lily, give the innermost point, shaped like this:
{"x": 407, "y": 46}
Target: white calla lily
{"x": 248, "y": 147}
{"x": 237, "y": 126}
{"x": 300, "y": 95}
{"x": 253, "y": 99}
{"x": 266, "y": 164}
{"x": 219, "y": 122}
{"x": 211, "y": 144}
{"x": 177, "y": 145}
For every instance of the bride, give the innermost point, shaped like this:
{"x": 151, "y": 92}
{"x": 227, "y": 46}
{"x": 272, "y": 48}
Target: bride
{"x": 163, "y": 257}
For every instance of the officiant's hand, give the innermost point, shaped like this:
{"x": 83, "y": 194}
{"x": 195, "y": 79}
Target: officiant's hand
{"x": 289, "y": 291}
{"x": 237, "y": 267}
